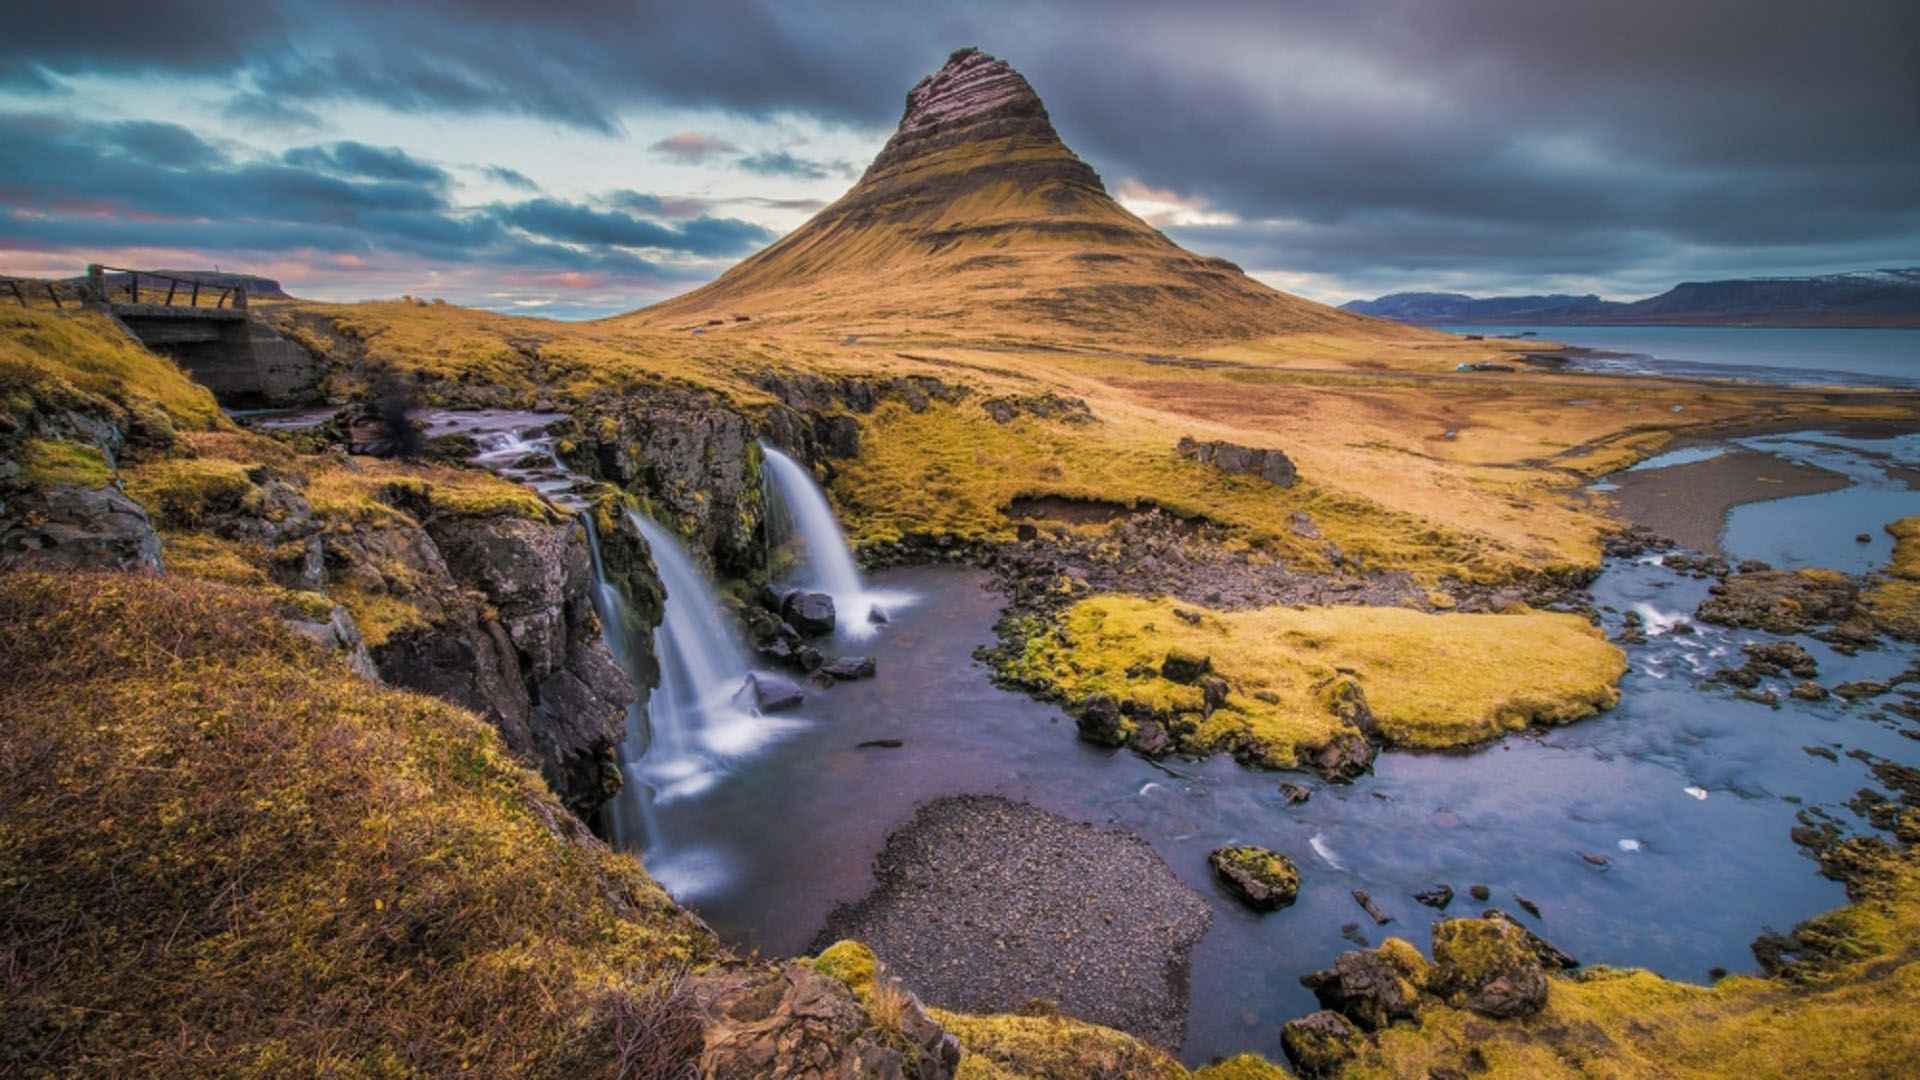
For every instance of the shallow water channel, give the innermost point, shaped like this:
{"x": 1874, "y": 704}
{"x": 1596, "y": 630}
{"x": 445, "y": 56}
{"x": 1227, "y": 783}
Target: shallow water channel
{"x": 1690, "y": 880}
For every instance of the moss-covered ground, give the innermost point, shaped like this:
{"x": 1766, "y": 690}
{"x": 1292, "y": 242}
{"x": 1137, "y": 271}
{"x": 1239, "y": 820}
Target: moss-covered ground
{"x": 1431, "y": 681}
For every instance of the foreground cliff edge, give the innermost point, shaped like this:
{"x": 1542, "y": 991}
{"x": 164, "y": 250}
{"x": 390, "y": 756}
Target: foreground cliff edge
{"x": 228, "y": 849}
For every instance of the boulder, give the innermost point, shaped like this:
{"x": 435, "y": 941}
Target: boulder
{"x": 1437, "y": 897}
{"x": 1151, "y": 739}
{"x": 75, "y": 528}
{"x": 848, "y": 668}
{"x": 794, "y": 1021}
{"x": 1100, "y": 721}
{"x": 810, "y": 613}
{"x": 1489, "y": 966}
{"x": 1263, "y": 880}
{"x": 1367, "y": 987}
{"x": 1551, "y": 956}
{"x": 1320, "y": 1044}
{"x": 768, "y": 692}
{"x": 1182, "y": 666}
{"x": 1269, "y": 465}
{"x": 1295, "y": 793}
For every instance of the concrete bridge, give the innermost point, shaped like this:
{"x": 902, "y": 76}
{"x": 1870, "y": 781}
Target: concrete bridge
{"x": 207, "y": 330}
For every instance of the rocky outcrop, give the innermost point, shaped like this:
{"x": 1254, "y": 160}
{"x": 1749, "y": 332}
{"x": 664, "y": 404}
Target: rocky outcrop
{"x": 1270, "y": 465}
{"x": 1782, "y": 601}
{"x": 1319, "y": 1044}
{"x": 689, "y": 456}
{"x": 1372, "y": 988}
{"x": 1488, "y": 965}
{"x": 1262, "y": 879}
{"x": 793, "y": 1021}
{"x": 75, "y": 528}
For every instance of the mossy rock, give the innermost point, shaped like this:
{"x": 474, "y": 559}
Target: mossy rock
{"x": 851, "y": 963}
{"x": 1263, "y": 880}
{"x": 1320, "y": 1043}
{"x": 46, "y": 463}
{"x": 1184, "y": 666}
{"x": 1489, "y": 966}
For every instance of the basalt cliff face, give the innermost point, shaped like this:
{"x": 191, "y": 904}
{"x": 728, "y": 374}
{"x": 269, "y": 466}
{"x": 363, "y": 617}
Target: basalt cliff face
{"x": 976, "y": 217}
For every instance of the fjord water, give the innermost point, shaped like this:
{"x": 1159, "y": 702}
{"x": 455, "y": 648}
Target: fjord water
{"x": 1761, "y": 354}
{"x": 1689, "y": 882}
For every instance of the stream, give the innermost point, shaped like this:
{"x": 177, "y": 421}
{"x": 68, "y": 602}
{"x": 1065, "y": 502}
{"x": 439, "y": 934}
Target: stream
{"x": 1686, "y": 792}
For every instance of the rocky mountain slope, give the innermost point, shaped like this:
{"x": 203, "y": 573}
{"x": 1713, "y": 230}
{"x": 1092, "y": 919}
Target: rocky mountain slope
{"x": 1883, "y": 298}
{"x": 975, "y": 218}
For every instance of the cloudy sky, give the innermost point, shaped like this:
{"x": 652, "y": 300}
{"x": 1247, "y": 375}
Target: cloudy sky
{"x": 579, "y": 158}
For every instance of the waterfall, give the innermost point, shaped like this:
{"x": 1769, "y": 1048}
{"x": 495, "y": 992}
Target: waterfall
{"x": 797, "y": 511}
{"x": 629, "y": 815}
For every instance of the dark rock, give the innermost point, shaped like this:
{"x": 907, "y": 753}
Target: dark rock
{"x": 1548, "y": 954}
{"x": 1780, "y": 658}
{"x": 768, "y": 692}
{"x": 1489, "y": 966}
{"x": 880, "y": 744}
{"x": 1380, "y": 918}
{"x": 1437, "y": 897}
{"x": 1821, "y": 752}
{"x": 1214, "y": 691}
{"x": 1366, "y": 988}
{"x": 75, "y": 528}
{"x": 1270, "y": 465}
{"x": 1025, "y": 532}
{"x": 1782, "y": 601}
{"x": 838, "y": 436}
{"x": 1863, "y": 538}
{"x": 1596, "y": 859}
{"x": 794, "y": 1021}
{"x": 848, "y": 668}
{"x": 1861, "y": 689}
{"x": 807, "y": 658}
{"x": 1809, "y": 691}
{"x": 1320, "y": 1044}
{"x": 1151, "y": 739}
{"x": 810, "y": 613}
{"x": 1527, "y": 905}
{"x": 1295, "y": 793}
{"x": 1480, "y": 893}
{"x": 1264, "y": 880}
{"x": 1100, "y": 721}
{"x": 1182, "y": 666}
{"x": 877, "y": 617}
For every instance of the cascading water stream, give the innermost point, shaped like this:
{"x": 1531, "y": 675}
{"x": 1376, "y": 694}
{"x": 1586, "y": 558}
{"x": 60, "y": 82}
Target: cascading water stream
{"x": 797, "y": 511}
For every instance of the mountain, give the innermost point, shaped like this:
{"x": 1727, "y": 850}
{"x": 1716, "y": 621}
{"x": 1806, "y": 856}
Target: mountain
{"x": 1872, "y": 298}
{"x": 975, "y": 218}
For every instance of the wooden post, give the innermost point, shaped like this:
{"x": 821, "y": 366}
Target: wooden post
{"x": 133, "y": 285}
{"x": 195, "y": 301}
{"x": 17, "y": 295}
{"x": 97, "y": 282}
{"x": 54, "y": 295}
{"x": 240, "y": 297}
{"x": 172, "y": 284}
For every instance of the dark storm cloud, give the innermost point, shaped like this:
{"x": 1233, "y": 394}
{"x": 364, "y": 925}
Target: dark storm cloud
{"x": 782, "y": 163}
{"x": 350, "y": 158}
{"x": 1376, "y": 133}
{"x": 582, "y": 224}
{"x": 85, "y": 184}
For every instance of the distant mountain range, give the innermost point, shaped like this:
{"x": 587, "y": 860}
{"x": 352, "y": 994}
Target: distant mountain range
{"x": 1871, "y": 298}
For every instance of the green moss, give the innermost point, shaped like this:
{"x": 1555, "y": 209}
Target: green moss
{"x": 1470, "y": 953}
{"x": 850, "y": 962}
{"x": 1268, "y": 870}
{"x": 188, "y": 491}
{"x": 48, "y": 463}
{"x": 1007, "y": 1047}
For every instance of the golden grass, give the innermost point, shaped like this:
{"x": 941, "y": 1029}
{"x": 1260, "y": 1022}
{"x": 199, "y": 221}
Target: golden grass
{"x": 184, "y": 492}
{"x": 1853, "y": 1021}
{"x": 46, "y": 353}
{"x": 48, "y": 463}
{"x": 1894, "y": 600}
{"x": 224, "y": 854}
{"x": 1432, "y": 681}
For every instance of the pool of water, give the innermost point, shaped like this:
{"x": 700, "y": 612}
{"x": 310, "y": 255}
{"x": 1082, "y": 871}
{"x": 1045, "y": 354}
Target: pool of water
{"x": 1685, "y": 790}
{"x": 1823, "y": 529}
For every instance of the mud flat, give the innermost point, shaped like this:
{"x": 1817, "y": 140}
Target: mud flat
{"x": 988, "y": 904}
{"x": 1688, "y": 503}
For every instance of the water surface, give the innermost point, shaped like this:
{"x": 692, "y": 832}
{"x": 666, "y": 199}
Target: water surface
{"x": 1764, "y": 354}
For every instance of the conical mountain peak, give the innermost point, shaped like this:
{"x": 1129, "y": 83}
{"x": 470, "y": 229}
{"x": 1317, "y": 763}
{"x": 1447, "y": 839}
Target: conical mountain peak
{"x": 975, "y": 218}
